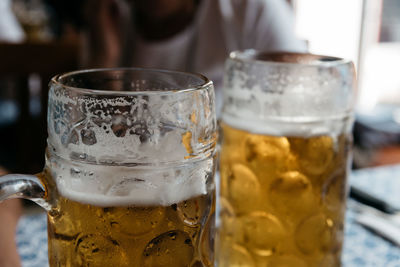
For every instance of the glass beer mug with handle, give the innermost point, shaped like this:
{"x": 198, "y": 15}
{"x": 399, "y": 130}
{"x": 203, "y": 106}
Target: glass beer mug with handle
{"x": 129, "y": 175}
{"x": 286, "y": 124}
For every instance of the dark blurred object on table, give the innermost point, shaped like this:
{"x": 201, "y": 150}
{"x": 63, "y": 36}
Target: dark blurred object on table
{"x": 377, "y": 136}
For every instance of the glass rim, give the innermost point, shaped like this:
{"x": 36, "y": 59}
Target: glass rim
{"x": 56, "y": 80}
{"x": 256, "y": 56}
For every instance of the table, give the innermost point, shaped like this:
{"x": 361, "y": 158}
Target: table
{"x": 361, "y": 247}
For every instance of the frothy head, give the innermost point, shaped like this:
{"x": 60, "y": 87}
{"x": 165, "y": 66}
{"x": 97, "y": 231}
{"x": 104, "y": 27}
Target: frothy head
{"x": 109, "y": 186}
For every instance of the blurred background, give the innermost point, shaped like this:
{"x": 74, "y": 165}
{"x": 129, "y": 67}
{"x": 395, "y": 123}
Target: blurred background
{"x": 41, "y": 38}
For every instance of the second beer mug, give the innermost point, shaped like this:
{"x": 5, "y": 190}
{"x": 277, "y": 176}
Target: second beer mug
{"x": 286, "y": 125}
{"x": 129, "y": 175}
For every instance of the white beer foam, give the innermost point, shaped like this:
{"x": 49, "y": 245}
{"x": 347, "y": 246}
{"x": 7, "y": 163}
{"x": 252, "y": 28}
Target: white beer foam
{"x": 293, "y": 112}
{"x": 107, "y": 186}
{"x": 295, "y": 128}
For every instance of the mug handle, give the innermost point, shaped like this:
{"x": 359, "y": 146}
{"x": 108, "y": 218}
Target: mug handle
{"x": 23, "y": 186}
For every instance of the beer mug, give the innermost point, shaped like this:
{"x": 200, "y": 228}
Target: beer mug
{"x": 285, "y": 158}
{"x": 129, "y": 174}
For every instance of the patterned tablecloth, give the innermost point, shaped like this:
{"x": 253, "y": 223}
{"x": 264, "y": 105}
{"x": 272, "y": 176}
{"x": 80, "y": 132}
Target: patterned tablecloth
{"x": 361, "y": 247}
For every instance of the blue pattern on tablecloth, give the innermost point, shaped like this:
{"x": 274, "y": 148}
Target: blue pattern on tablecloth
{"x": 32, "y": 240}
{"x": 361, "y": 247}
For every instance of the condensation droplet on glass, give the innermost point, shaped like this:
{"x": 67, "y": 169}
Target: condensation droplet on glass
{"x": 88, "y": 137}
{"x": 75, "y": 172}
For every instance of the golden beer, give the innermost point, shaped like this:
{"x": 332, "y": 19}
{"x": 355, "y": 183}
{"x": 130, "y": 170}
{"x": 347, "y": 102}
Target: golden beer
{"x": 87, "y": 235}
{"x": 282, "y": 199}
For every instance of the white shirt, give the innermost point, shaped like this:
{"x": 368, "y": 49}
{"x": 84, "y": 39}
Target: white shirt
{"x": 220, "y": 27}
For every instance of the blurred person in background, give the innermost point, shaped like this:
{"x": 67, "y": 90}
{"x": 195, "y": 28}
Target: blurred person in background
{"x": 185, "y": 35}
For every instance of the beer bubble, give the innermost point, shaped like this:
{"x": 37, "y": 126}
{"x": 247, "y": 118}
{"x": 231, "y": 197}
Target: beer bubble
{"x": 88, "y": 137}
{"x": 237, "y": 255}
{"x": 172, "y": 248}
{"x": 314, "y": 154}
{"x": 287, "y": 261}
{"x": 98, "y": 250}
{"x": 263, "y": 232}
{"x": 266, "y": 153}
{"x": 314, "y": 233}
{"x": 291, "y": 194}
{"x": 242, "y": 181}
{"x": 193, "y": 211}
{"x": 134, "y": 221}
